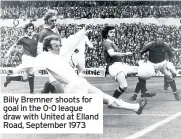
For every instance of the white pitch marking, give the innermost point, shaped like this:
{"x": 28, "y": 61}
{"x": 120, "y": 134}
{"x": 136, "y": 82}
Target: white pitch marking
{"x": 154, "y": 114}
{"x": 153, "y": 127}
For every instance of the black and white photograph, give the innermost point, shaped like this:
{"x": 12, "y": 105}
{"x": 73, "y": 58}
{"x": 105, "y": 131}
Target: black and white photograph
{"x": 90, "y": 69}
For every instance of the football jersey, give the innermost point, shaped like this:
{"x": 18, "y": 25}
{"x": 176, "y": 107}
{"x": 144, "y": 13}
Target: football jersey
{"x": 158, "y": 51}
{"x": 110, "y": 45}
{"x": 29, "y": 45}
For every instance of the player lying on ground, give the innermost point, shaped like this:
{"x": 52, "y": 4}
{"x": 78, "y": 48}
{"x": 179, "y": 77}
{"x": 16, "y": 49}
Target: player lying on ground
{"x": 64, "y": 74}
{"x": 157, "y": 58}
{"x": 29, "y": 42}
{"x": 115, "y": 65}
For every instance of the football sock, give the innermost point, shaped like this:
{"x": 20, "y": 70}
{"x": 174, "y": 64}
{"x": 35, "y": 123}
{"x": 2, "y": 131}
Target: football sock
{"x": 31, "y": 83}
{"x": 118, "y": 92}
{"x": 138, "y": 88}
{"x": 173, "y": 85}
{"x": 142, "y": 85}
{"x": 166, "y": 84}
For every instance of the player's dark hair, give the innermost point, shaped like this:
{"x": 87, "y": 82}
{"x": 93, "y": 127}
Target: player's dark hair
{"x": 47, "y": 40}
{"x": 29, "y": 25}
{"x": 49, "y": 14}
{"x": 105, "y": 31}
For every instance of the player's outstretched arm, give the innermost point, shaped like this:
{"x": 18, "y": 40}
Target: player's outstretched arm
{"x": 72, "y": 41}
{"x": 112, "y": 53}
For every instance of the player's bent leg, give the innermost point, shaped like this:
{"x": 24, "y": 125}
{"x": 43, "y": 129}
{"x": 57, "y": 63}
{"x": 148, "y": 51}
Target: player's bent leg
{"x": 137, "y": 90}
{"x": 132, "y": 70}
{"x": 172, "y": 69}
{"x": 10, "y": 78}
{"x": 31, "y": 83}
{"x": 31, "y": 80}
{"x": 166, "y": 83}
{"x": 121, "y": 79}
{"x": 167, "y": 73}
{"x": 144, "y": 91}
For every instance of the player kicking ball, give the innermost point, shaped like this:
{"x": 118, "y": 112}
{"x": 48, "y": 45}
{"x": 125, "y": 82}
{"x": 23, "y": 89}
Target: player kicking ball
{"x": 29, "y": 42}
{"x": 115, "y": 65}
{"x": 65, "y": 74}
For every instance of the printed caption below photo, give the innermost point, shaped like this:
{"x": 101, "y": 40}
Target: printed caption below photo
{"x": 51, "y": 113}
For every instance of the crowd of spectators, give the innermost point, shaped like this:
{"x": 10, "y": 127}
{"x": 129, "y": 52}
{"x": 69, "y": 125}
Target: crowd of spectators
{"x": 129, "y": 37}
{"x": 86, "y": 9}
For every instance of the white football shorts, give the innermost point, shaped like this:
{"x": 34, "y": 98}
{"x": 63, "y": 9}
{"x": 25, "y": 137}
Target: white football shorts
{"x": 118, "y": 67}
{"x": 158, "y": 66}
{"x": 27, "y": 59}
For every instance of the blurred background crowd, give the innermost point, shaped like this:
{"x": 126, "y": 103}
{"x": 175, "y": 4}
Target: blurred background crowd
{"x": 93, "y": 9}
{"x": 129, "y": 37}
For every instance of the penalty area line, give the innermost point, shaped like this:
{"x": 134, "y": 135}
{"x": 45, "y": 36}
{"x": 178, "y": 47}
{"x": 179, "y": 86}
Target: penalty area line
{"x": 153, "y": 127}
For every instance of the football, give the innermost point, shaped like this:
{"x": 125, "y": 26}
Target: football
{"x": 146, "y": 71}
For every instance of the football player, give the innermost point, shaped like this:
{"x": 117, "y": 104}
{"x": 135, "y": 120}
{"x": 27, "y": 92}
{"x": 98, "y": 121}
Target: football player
{"x": 157, "y": 57}
{"x": 29, "y": 43}
{"x": 113, "y": 55}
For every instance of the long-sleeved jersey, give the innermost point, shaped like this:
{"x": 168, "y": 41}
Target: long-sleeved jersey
{"x": 110, "y": 45}
{"x": 29, "y": 45}
{"x": 158, "y": 50}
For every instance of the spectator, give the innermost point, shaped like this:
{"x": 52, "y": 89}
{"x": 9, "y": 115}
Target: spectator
{"x": 132, "y": 37}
